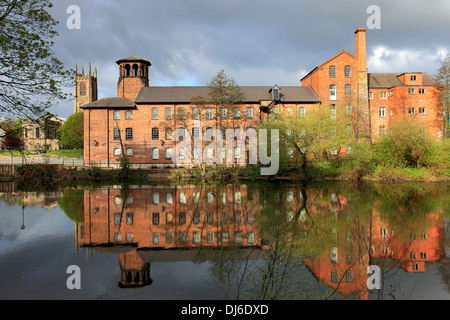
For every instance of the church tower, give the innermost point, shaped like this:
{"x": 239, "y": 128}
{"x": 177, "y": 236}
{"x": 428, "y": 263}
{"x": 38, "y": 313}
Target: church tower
{"x": 133, "y": 76}
{"x": 85, "y": 88}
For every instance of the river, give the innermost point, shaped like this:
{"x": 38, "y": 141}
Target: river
{"x": 287, "y": 241}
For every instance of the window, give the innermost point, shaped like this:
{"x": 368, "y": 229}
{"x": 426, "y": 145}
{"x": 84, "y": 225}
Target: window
{"x": 237, "y": 153}
{"x": 334, "y": 277}
{"x": 413, "y": 78}
{"x": 391, "y": 93}
{"x": 348, "y": 90}
{"x": 155, "y": 218}
{"x": 82, "y": 89}
{"x": 169, "y": 198}
{"x": 370, "y": 95}
{"x": 156, "y": 238}
{"x": 117, "y": 218}
{"x": 155, "y": 114}
{"x": 181, "y": 153}
{"x": 333, "y": 111}
{"x": 333, "y": 92}
{"x": 37, "y": 133}
{"x": 411, "y": 111}
{"x": 129, "y": 151}
{"x": 135, "y": 70}
{"x": 411, "y": 91}
{"x": 421, "y": 91}
{"x": 348, "y": 71}
{"x": 155, "y": 198}
{"x": 392, "y": 112}
{"x": 129, "y": 218}
{"x": 168, "y": 113}
{"x": 181, "y": 133}
{"x": 116, "y": 134}
{"x": 209, "y": 113}
{"x": 155, "y": 154}
{"x": 332, "y": 71}
{"x": 210, "y": 237}
{"x": 275, "y": 94}
{"x": 302, "y": 112}
{"x": 182, "y": 113}
{"x": 382, "y": 130}
{"x": 249, "y": 112}
{"x": 348, "y": 109}
{"x": 155, "y": 134}
{"x": 117, "y": 152}
{"x": 423, "y": 255}
{"x": 422, "y": 111}
{"x": 383, "y": 95}
{"x": 128, "y": 115}
{"x": 195, "y": 113}
{"x": 169, "y": 237}
{"x": 168, "y": 133}
{"x": 289, "y": 111}
{"x": 382, "y": 112}
{"x": 334, "y": 255}
{"x": 128, "y": 134}
{"x": 127, "y": 70}
{"x": 223, "y": 112}
{"x": 169, "y": 154}
{"x": 237, "y": 112}
{"x": 196, "y": 218}
{"x": 195, "y": 133}
{"x": 116, "y": 115}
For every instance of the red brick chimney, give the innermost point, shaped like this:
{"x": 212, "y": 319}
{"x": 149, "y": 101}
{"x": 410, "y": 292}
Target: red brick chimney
{"x": 363, "y": 114}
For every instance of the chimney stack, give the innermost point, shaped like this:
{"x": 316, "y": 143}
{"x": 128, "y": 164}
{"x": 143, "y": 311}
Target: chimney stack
{"x": 363, "y": 114}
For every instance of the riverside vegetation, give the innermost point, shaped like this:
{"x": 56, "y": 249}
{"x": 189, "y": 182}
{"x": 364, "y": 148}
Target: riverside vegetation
{"x": 405, "y": 153}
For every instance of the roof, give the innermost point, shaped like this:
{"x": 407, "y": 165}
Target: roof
{"x": 251, "y": 94}
{"x": 333, "y": 57}
{"x": 133, "y": 59}
{"x": 109, "y": 103}
{"x": 389, "y": 80}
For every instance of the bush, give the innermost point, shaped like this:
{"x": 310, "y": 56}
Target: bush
{"x": 405, "y": 145}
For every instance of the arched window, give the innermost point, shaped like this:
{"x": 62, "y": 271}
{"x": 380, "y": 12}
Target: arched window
{"x": 333, "y": 92}
{"x": 155, "y": 114}
{"x": 155, "y": 134}
{"x": 135, "y": 70}
{"x": 155, "y": 154}
{"x": 129, "y": 151}
{"x": 82, "y": 89}
{"x": 348, "y": 90}
{"x": 195, "y": 113}
{"x": 182, "y": 113}
{"x": 348, "y": 71}
{"x": 168, "y": 133}
{"x": 332, "y": 71}
{"x": 127, "y": 70}
{"x": 141, "y": 72}
{"x": 128, "y": 134}
{"x": 116, "y": 152}
{"x": 168, "y": 113}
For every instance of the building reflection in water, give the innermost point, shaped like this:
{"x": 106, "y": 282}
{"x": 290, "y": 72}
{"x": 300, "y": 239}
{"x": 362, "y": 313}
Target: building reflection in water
{"x": 336, "y": 237}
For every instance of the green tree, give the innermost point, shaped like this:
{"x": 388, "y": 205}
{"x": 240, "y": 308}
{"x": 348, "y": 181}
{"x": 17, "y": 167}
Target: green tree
{"x": 443, "y": 78}
{"x": 71, "y": 133}
{"x": 319, "y": 133}
{"x": 30, "y": 75}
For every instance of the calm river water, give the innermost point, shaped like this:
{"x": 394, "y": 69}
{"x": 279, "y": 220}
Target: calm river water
{"x": 330, "y": 240}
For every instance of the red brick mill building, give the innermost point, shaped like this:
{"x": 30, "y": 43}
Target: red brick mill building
{"x": 144, "y": 117}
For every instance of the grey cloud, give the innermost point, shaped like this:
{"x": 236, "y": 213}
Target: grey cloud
{"x": 257, "y": 42}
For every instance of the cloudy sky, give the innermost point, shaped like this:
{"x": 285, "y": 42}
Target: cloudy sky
{"x": 256, "y": 42}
